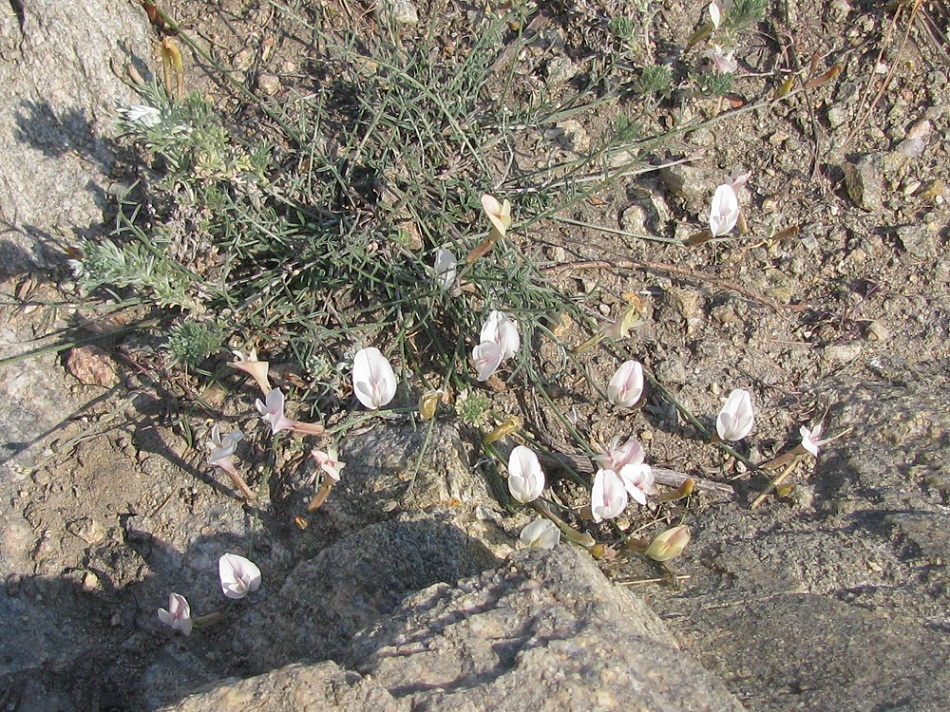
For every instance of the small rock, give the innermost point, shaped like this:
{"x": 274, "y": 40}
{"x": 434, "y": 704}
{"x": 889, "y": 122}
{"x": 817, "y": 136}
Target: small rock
{"x": 917, "y": 240}
{"x": 865, "y": 182}
{"x": 837, "y": 116}
{"x": 91, "y": 366}
{"x": 877, "y": 332}
{"x": 13, "y": 584}
{"x": 398, "y": 12}
{"x": 90, "y": 582}
{"x": 634, "y": 220}
{"x": 268, "y": 84}
{"x": 86, "y": 529}
{"x": 571, "y": 135}
{"x": 687, "y": 182}
{"x": 243, "y": 60}
{"x": 840, "y": 354}
{"x": 561, "y": 70}
{"x": 684, "y": 302}
{"x": 671, "y": 372}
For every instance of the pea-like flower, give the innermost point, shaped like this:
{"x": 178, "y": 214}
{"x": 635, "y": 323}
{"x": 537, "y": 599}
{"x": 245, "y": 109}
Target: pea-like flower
{"x": 626, "y": 386}
{"x": 272, "y": 411}
{"x": 608, "y": 497}
{"x": 446, "y": 269}
{"x": 724, "y": 212}
{"x": 222, "y": 455}
{"x": 499, "y": 341}
{"x": 811, "y": 439}
{"x": 615, "y": 456}
{"x": 638, "y": 481}
{"x": 257, "y": 369}
{"x": 374, "y": 381}
{"x": 669, "y": 544}
{"x": 736, "y": 417}
{"x": 541, "y": 534}
{"x": 178, "y": 614}
{"x": 525, "y": 476}
{"x": 498, "y": 213}
{"x": 329, "y": 462}
{"x": 239, "y": 576}
{"x": 724, "y": 61}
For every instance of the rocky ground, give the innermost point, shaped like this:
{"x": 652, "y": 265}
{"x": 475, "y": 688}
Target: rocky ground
{"x": 832, "y": 306}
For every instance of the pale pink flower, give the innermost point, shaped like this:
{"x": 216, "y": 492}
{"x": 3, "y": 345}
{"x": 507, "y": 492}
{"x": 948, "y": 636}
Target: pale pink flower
{"x": 487, "y": 358}
{"x": 222, "y": 447}
{"x": 736, "y": 417}
{"x": 239, "y": 576}
{"x": 811, "y": 441}
{"x": 272, "y": 411}
{"x": 329, "y": 462}
{"x": 638, "y": 481}
{"x": 608, "y": 497}
{"x": 525, "y": 476}
{"x": 374, "y": 381}
{"x": 615, "y": 456}
{"x": 178, "y": 614}
{"x": 626, "y": 385}
{"x": 541, "y": 534}
{"x": 724, "y": 212}
{"x": 724, "y": 62}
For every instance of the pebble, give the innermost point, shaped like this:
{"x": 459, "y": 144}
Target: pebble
{"x": 268, "y": 84}
{"x": 877, "y": 332}
{"x": 399, "y": 12}
{"x": 634, "y": 220}
{"x": 561, "y": 70}
{"x": 671, "y": 372}
{"x": 864, "y": 182}
{"x": 840, "y": 354}
{"x": 917, "y": 240}
{"x": 86, "y": 529}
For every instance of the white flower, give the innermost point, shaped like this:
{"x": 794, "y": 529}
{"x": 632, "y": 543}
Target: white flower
{"x": 616, "y": 455}
{"x": 257, "y": 369}
{"x": 626, "y": 386}
{"x": 724, "y": 212}
{"x": 178, "y": 615}
{"x": 500, "y": 329}
{"x": 328, "y": 462}
{"x": 498, "y": 213}
{"x": 272, "y": 411}
{"x": 638, "y": 481}
{"x": 446, "y": 268}
{"x": 525, "y": 476}
{"x": 499, "y": 341}
{"x": 609, "y": 496}
{"x": 810, "y": 439}
{"x": 222, "y": 446}
{"x": 239, "y": 576}
{"x": 541, "y": 534}
{"x": 145, "y": 116}
{"x": 724, "y": 62}
{"x": 736, "y": 417}
{"x": 374, "y": 381}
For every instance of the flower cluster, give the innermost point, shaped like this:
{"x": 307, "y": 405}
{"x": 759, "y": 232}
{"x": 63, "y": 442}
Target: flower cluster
{"x": 499, "y": 341}
{"x": 622, "y": 475}
{"x": 238, "y": 576}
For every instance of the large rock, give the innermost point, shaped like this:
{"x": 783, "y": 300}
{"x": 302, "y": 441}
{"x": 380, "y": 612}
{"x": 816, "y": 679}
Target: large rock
{"x": 545, "y": 631}
{"x": 838, "y": 600}
{"x": 55, "y": 119}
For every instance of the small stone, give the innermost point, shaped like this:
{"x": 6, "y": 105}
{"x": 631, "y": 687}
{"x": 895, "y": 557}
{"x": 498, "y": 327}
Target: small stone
{"x": 268, "y": 84}
{"x": 86, "y": 529}
{"x": 634, "y": 219}
{"x": 90, "y": 582}
{"x": 671, "y": 372}
{"x": 865, "y": 182}
{"x": 917, "y": 240}
{"x": 684, "y": 302}
{"x": 837, "y": 116}
{"x": 91, "y": 366}
{"x": 571, "y": 135}
{"x": 13, "y": 584}
{"x": 561, "y": 70}
{"x": 686, "y": 182}
{"x": 243, "y": 60}
{"x": 42, "y": 478}
{"x": 840, "y": 354}
{"x": 877, "y": 332}
{"x": 398, "y": 12}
